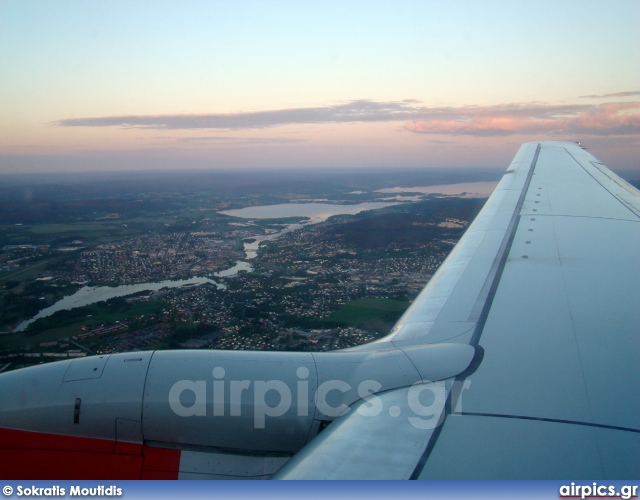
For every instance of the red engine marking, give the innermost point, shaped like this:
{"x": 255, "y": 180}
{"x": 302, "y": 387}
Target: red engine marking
{"x": 161, "y": 463}
{"x": 35, "y": 455}
{"x": 53, "y": 464}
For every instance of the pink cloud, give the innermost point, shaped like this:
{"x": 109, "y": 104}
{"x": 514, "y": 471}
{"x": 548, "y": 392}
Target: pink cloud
{"x": 604, "y": 119}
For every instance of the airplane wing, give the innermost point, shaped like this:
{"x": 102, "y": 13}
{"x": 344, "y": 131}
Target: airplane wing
{"x": 545, "y": 284}
{"x": 518, "y": 360}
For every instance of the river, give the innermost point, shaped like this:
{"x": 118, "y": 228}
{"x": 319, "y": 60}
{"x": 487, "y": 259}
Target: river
{"x": 92, "y": 294}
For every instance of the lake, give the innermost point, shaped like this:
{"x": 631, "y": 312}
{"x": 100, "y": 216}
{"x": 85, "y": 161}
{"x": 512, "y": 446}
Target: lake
{"x": 471, "y": 189}
{"x": 317, "y": 212}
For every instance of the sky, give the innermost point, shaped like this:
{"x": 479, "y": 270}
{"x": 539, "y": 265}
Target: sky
{"x": 132, "y": 85}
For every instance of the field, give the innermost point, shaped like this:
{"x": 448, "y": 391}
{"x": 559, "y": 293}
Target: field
{"x": 361, "y": 311}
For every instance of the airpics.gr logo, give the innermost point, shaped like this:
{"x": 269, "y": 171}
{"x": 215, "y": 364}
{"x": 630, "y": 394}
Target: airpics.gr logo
{"x": 596, "y": 490}
{"x": 424, "y": 404}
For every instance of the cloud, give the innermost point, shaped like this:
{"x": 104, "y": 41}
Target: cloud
{"x": 500, "y": 120}
{"x": 603, "y": 119}
{"x": 616, "y": 94}
{"x": 353, "y": 111}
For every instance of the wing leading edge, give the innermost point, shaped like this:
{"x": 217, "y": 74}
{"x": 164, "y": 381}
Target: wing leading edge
{"x": 544, "y": 284}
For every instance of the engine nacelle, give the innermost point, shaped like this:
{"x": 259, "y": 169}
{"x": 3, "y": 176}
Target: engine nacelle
{"x": 203, "y": 413}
